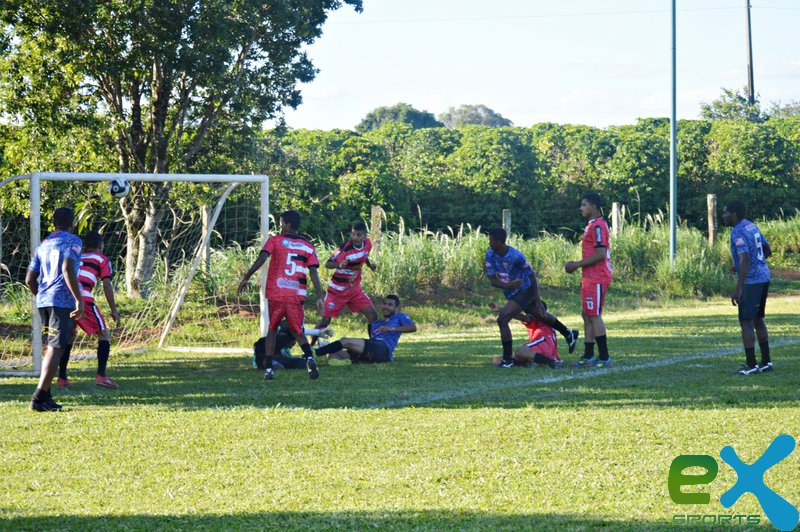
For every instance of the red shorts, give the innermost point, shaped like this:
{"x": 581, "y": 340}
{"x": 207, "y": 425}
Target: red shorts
{"x": 93, "y": 323}
{"x": 545, "y": 346}
{"x": 292, "y": 311}
{"x": 356, "y": 301}
{"x": 593, "y": 296}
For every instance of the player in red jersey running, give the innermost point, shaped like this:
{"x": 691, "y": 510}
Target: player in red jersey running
{"x": 292, "y": 259}
{"x": 344, "y": 287}
{"x": 596, "y": 266}
{"x": 94, "y": 267}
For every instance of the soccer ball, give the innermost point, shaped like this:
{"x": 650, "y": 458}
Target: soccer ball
{"x": 119, "y": 187}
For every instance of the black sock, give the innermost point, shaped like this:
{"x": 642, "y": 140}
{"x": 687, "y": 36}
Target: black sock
{"x": 750, "y": 356}
{"x": 41, "y": 395}
{"x": 602, "y": 347}
{"x": 507, "y": 349}
{"x": 560, "y": 327}
{"x": 307, "y": 353}
{"x": 588, "y": 349}
{"x": 369, "y": 331}
{"x": 333, "y": 347}
{"x": 764, "y": 352}
{"x": 268, "y": 362}
{"x": 62, "y": 364}
{"x": 103, "y": 350}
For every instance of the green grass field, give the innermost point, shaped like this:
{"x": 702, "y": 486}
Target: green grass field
{"x": 436, "y": 440}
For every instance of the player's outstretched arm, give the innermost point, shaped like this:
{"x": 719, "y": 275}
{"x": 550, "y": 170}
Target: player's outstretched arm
{"x": 31, "y": 281}
{"x": 371, "y": 265}
{"x": 262, "y": 258}
{"x": 108, "y": 290}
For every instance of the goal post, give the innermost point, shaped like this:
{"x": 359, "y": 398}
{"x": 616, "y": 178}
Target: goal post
{"x": 35, "y": 182}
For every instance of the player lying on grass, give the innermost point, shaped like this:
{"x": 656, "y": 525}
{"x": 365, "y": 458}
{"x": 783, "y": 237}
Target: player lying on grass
{"x": 344, "y": 286}
{"x": 541, "y": 349}
{"x": 384, "y": 337}
{"x": 292, "y": 259}
{"x": 509, "y": 270}
{"x": 94, "y": 266}
{"x": 284, "y": 341}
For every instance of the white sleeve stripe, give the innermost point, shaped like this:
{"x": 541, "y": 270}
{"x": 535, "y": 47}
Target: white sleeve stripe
{"x": 88, "y": 275}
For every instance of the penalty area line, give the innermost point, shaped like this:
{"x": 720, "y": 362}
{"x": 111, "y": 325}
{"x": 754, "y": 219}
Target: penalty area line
{"x": 580, "y": 374}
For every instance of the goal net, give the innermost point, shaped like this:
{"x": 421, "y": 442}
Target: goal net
{"x": 207, "y": 231}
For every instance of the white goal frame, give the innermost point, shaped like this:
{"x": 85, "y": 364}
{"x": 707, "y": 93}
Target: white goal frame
{"x": 36, "y": 179}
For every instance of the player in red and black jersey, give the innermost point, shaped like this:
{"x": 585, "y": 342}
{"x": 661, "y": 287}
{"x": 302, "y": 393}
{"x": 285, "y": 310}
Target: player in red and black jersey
{"x": 95, "y": 269}
{"x": 596, "y": 266}
{"x": 344, "y": 286}
{"x": 293, "y": 259}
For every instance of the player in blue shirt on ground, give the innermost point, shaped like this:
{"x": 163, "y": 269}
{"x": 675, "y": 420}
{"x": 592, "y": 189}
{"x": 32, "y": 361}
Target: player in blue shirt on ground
{"x": 53, "y": 278}
{"x": 508, "y": 269}
{"x": 385, "y": 335}
{"x": 750, "y": 250}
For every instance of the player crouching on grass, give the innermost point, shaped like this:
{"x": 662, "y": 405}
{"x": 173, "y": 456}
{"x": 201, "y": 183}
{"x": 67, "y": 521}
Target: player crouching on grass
{"x": 385, "y": 335}
{"x": 292, "y": 257}
{"x": 94, "y": 266}
{"x": 541, "y": 349}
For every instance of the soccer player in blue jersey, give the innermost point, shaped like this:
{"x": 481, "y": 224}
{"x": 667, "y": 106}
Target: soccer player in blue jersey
{"x": 750, "y": 249}
{"x": 509, "y": 270}
{"x": 53, "y": 278}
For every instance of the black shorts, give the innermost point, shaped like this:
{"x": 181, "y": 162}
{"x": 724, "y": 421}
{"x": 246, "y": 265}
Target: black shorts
{"x": 374, "y": 351}
{"x": 754, "y": 301}
{"x": 524, "y": 298}
{"x": 57, "y": 325}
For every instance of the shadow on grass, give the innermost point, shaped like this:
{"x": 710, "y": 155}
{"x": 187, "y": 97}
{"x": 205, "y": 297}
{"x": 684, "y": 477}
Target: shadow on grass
{"x": 345, "y": 520}
{"x": 456, "y": 373}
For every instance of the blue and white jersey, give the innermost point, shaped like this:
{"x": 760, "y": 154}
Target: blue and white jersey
{"x": 747, "y": 238}
{"x": 47, "y": 262}
{"x": 391, "y": 339}
{"x": 513, "y": 265}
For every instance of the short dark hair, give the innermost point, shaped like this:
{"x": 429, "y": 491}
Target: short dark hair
{"x": 737, "y": 207}
{"x": 63, "y": 218}
{"x": 499, "y": 234}
{"x": 394, "y": 298}
{"x": 594, "y": 198}
{"x": 292, "y": 218}
{"x": 359, "y": 226}
{"x": 92, "y": 240}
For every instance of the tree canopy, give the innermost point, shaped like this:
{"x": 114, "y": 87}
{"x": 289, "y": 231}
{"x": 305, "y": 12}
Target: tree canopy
{"x": 732, "y": 105}
{"x": 478, "y": 115}
{"x": 402, "y": 113}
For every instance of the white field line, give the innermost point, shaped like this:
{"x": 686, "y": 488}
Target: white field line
{"x": 580, "y": 374}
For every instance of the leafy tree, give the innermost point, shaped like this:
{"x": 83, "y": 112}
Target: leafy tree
{"x": 732, "y": 105}
{"x": 786, "y": 110}
{"x": 401, "y": 112}
{"x": 161, "y": 75}
{"x": 479, "y": 115}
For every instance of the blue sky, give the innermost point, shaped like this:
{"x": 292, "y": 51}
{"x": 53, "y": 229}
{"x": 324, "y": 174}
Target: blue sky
{"x": 596, "y": 62}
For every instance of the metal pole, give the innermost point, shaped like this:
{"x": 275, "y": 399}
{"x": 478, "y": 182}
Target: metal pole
{"x": 673, "y": 159}
{"x": 36, "y": 231}
{"x": 507, "y": 221}
{"x": 264, "y": 235}
{"x": 751, "y": 92}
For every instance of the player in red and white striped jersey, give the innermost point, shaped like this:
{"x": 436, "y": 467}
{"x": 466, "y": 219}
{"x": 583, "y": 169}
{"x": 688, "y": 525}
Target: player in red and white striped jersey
{"x": 292, "y": 258}
{"x": 94, "y": 267}
{"x": 344, "y": 286}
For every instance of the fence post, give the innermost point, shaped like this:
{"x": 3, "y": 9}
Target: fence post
{"x": 616, "y": 219}
{"x": 375, "y": 220}
{"x": 206, "y": 253}
{"x": 507, "y": 221}
{"x": 711, "y": 200}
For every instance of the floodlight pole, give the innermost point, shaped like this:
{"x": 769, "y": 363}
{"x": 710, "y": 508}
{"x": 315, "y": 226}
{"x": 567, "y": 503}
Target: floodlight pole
{"x": 751, "y": 95}
{"x": 673, "y": 160}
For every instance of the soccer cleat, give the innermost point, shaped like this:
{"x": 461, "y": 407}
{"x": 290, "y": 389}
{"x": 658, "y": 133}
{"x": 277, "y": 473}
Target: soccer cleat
{"x": 747, "y": 370}
{"x": 269, "y": 375}
{"x": 584, "y": 362}
{"x": 599, "y": 363}
{"x": 105, "y": 382}
{"x": 339, "y": 362}
{"x": 311, "y": 365}
{"x": 63, "y": 383}
{"x": 764, "y": 368}
{"x": 556, "y": 364}
{"x": 504, "y": 364}
{"x": 572, "y": 340}
{"x": 47, "y": 405}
